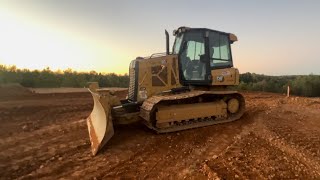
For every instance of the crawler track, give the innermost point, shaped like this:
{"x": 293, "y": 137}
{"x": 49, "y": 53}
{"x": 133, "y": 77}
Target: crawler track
{"x": 149, "y": 109}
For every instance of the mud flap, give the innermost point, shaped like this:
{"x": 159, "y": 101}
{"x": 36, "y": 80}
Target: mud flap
{"x": 100, "y": 125}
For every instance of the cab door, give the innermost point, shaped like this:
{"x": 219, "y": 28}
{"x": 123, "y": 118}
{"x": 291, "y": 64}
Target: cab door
{"x": 194, "y": 59}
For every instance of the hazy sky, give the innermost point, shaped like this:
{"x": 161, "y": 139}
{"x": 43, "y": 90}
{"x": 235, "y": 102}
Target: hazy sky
{"x": 276, "y": 37}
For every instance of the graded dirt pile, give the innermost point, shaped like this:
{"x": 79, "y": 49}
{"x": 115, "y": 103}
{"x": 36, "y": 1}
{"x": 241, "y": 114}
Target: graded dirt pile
{"x": 13, "y": 90}
{"x": 45, "y": 136}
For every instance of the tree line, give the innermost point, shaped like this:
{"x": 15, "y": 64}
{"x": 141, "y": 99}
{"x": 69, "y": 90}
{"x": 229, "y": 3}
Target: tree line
{"x": 66, "y": 78}
{"x": 301, "y": 85}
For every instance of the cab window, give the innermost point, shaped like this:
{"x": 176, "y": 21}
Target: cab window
{"x": 219, "y": 49}
{"x": 191, "y": 56}
{"x": 195, "y": 50}
{"x": 177, "y": 44}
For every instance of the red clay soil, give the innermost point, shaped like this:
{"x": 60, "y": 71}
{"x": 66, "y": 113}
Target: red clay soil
{"x": 45, "y": 136}
{"x": 13, "y": 91}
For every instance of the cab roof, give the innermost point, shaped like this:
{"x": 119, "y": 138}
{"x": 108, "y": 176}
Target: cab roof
{"x": 184, "y": 29}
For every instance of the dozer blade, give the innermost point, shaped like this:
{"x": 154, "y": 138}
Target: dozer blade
{"x": 99, "y": 122}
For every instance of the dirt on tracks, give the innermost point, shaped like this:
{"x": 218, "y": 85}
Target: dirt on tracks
{"x": 45, "y": 136}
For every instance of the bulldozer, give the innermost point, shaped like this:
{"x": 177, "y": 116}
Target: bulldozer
{"x": 186, "y": 88}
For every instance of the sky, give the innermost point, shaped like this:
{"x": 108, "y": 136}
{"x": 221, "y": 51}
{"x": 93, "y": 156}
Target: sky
{"x": 276, "y": 37}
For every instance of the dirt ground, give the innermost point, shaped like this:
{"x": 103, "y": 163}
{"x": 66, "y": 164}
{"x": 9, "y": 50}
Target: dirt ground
{"x": 45, "y": 136}
{"x": 66, "y": 90}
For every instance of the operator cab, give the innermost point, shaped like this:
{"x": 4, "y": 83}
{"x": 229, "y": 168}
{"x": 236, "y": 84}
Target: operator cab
{"x": 201, "y": 50}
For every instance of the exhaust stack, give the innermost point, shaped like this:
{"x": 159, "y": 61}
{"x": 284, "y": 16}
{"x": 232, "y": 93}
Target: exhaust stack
{"x": 167, "y": 42}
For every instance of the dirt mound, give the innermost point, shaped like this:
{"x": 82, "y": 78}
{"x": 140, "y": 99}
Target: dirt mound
{"x": 13, "y": 90}
{"x": 46, "y": 136}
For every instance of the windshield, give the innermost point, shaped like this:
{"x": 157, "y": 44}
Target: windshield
{"x": 177, "y": 44}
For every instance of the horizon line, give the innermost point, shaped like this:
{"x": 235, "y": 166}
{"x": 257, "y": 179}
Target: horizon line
{"x": 126, "y": 73}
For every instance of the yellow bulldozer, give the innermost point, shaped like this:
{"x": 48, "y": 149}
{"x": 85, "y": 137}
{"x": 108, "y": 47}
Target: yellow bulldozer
{"x": 172, "y": 91}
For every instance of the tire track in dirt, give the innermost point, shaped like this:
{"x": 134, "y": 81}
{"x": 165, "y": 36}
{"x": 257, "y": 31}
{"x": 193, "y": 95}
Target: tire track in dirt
{"x": 10, "y": 142}
{"x": 53, "y": 165}
{"x": 179, "y": 149}
{"x": 299, "y": 137}
{"x": 75, "y": 160}
{"x": 107, "y": 163}
{"x": 275, "y": 146}
{"x": 293, "y": 151}
{"x": 33, "y": 118}
{"x": 32, "y": 152}
{"x": 276, "y": 138}
{"x": 37, "y": 133}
